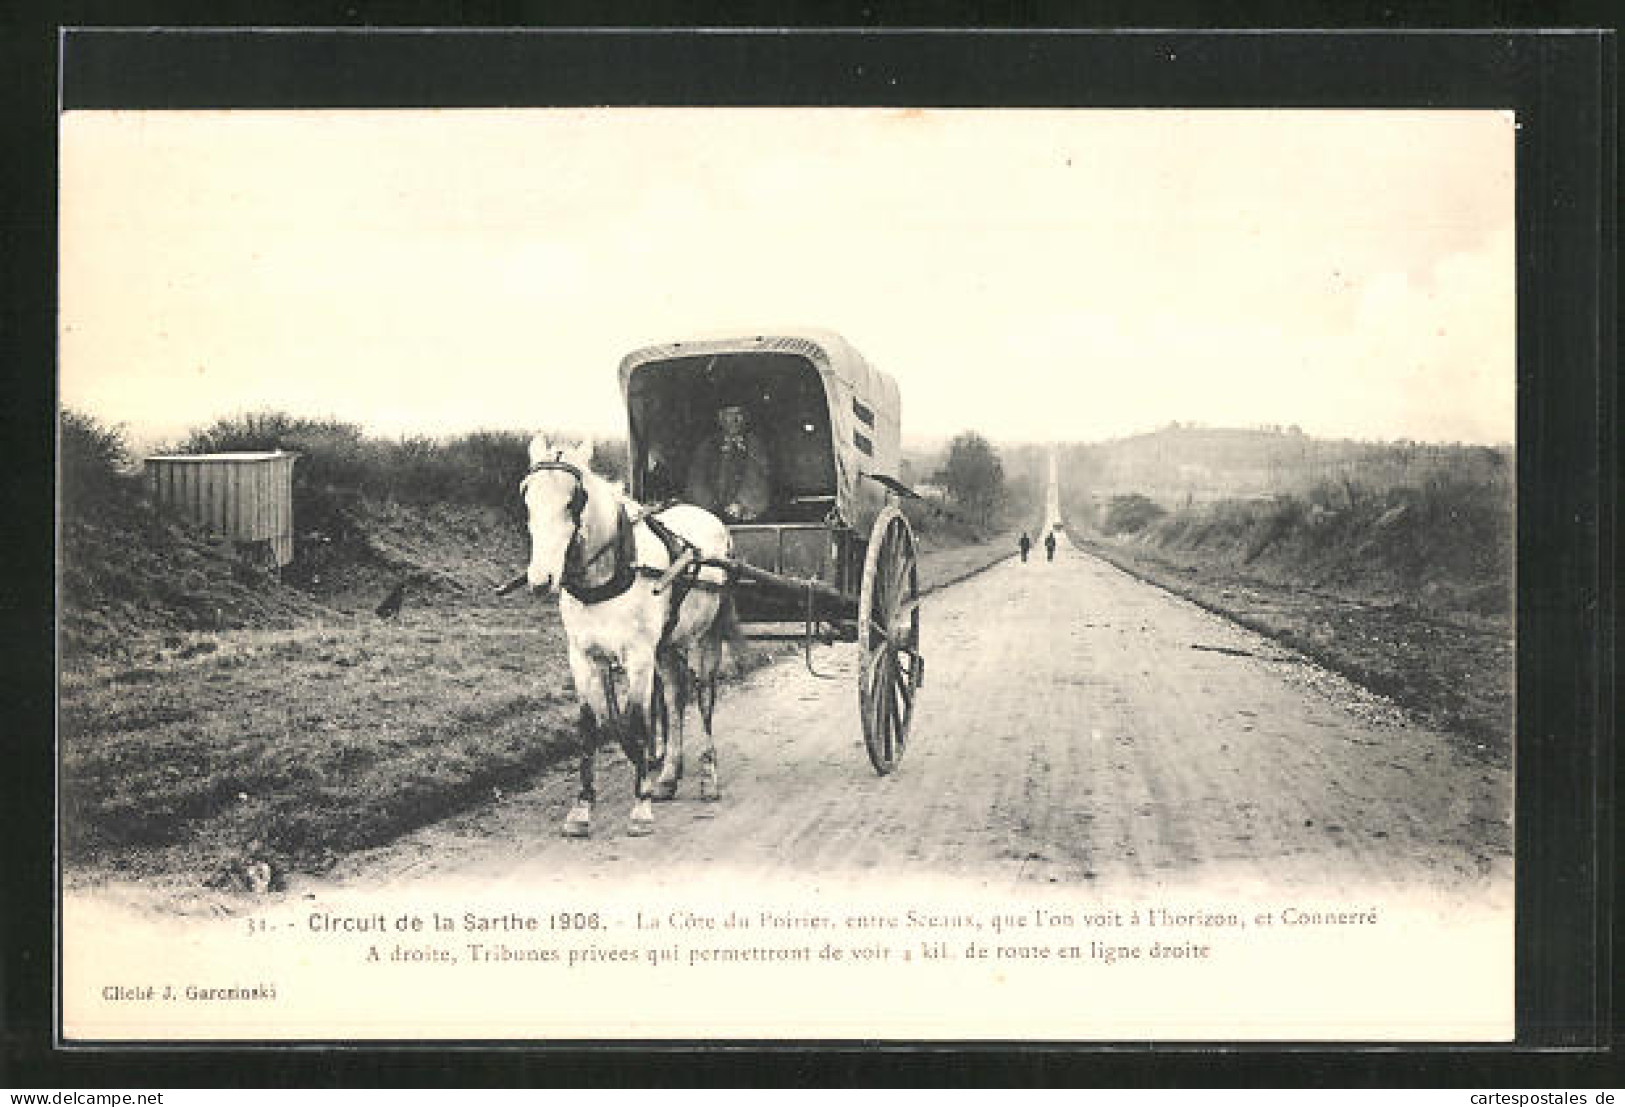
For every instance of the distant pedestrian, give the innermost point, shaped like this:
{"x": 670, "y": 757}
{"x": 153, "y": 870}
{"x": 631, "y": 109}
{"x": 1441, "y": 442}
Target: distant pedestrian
{"x": 1026, "y": 544}
{"x": 1049, "y": 545}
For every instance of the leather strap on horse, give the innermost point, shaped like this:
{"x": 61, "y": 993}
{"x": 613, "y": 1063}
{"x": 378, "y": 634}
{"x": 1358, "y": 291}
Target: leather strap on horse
{"x": 675, "y": 543}
{"x": 676, "y": 546}
{"x": 678, "y": 549}
{"x": 626, "y": 567}
{"x": 688, "y": 578}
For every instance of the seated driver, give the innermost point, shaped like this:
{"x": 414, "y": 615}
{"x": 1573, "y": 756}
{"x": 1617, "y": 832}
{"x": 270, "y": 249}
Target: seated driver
{"x": 729, "y": 474}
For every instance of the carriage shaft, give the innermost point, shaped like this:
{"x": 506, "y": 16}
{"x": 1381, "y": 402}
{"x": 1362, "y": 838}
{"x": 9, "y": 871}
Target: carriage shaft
{"x": 830, "y": 603}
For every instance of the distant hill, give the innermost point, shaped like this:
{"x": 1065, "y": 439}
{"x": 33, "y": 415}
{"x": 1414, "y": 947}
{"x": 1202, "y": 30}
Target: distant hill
{"x": 1179, "y": 462}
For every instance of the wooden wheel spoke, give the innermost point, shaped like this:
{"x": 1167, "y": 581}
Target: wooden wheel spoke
{"x": 899, "y": 715}
{"x": 886, "y": 576}
{"x": 906, "y": 612}
{"x": 905, "y": 685}
{"x": 871, "y": 667}
{"x": 885, "y": 587}
{"x": 883, "y": 709}
{"x": 898, "y": 576}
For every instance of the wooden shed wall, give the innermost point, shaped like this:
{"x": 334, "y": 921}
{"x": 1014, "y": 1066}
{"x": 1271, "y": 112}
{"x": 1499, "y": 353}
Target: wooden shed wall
{"x": 246, "y": 499}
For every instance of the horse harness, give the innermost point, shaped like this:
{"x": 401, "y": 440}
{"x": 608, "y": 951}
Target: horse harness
{"x": 577, "y": 562}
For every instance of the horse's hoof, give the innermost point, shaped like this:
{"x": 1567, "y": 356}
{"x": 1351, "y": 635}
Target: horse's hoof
{"x": 642, "y": 820}
{"x": 709, "y": 793}
{"x": 578, "y": 823}
{"x": 665, "y": 790}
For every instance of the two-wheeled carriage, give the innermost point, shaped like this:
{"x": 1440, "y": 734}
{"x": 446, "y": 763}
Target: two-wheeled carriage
{"x": 831, "y": 555}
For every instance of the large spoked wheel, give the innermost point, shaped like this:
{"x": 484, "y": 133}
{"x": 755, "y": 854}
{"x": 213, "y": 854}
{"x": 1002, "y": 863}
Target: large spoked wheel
{"x": 891, "y": 668}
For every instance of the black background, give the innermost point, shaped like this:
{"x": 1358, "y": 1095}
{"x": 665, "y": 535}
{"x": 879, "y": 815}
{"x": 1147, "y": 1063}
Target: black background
{"x": 1561, "y": 85}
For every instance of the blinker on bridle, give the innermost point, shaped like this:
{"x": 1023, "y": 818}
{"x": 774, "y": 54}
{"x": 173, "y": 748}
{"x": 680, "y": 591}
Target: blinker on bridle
{"x": 578, "y": 498}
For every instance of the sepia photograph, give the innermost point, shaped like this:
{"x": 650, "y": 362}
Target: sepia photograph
{"x": 787, "y": 574}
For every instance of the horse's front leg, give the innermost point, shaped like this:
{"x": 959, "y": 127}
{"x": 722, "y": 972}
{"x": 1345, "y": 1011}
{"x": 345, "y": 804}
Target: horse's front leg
{"x": 634, "y": 735}
{"x": 674, "y": 677}
{"x": 593, "y": 693}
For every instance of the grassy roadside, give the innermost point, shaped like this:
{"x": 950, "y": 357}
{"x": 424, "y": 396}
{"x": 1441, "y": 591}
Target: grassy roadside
{"x": 946, "y": 566}
{"x": 195, "y": 751}
{"x": 292, "y": 746}
{"x": 1453, "y": 671}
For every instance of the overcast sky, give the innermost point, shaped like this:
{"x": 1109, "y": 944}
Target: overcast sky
{"x": 1035, "y": 275}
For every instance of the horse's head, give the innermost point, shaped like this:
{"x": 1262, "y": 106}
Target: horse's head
{"x": 555, "y": 496}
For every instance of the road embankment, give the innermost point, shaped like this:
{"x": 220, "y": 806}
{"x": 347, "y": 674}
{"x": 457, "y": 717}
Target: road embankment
{"x": 1454, "y": 672}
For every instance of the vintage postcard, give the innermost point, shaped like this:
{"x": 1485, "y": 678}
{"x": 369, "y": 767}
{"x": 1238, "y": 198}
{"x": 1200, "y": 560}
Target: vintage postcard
{"x": 787, "y": 574}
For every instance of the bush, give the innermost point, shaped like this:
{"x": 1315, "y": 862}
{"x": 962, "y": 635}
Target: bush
{"x": 333, "y": 452}
{"x": 92, "y": 458}
{"x": 493, "y": 463}
{"x": 337, "y": 457}
{"x": 609, "y": 459}
{"x": 1131, "y": 514}
{"x": 937, "y": 525}
{"x": 1284, "y": 515}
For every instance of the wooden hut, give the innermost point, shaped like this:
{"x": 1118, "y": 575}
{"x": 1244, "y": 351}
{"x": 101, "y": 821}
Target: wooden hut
{"x": 247, "y": 497}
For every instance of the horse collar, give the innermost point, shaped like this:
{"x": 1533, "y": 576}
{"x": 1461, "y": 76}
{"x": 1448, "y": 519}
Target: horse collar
{"x": 577, "y": 564}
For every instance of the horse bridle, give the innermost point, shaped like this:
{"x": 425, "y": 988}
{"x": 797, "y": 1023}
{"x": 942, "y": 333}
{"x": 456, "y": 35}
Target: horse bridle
{"x": 576, "y": 505}
{"x": 578, "y": 498}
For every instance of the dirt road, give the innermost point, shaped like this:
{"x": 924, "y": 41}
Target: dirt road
{"x": 1077, "y": 728}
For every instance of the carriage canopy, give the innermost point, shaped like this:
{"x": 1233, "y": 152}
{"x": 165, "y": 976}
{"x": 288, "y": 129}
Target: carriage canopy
{"x": 825, "y": 415}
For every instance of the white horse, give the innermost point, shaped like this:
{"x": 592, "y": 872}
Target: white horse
{"x": 625, "y": 614}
